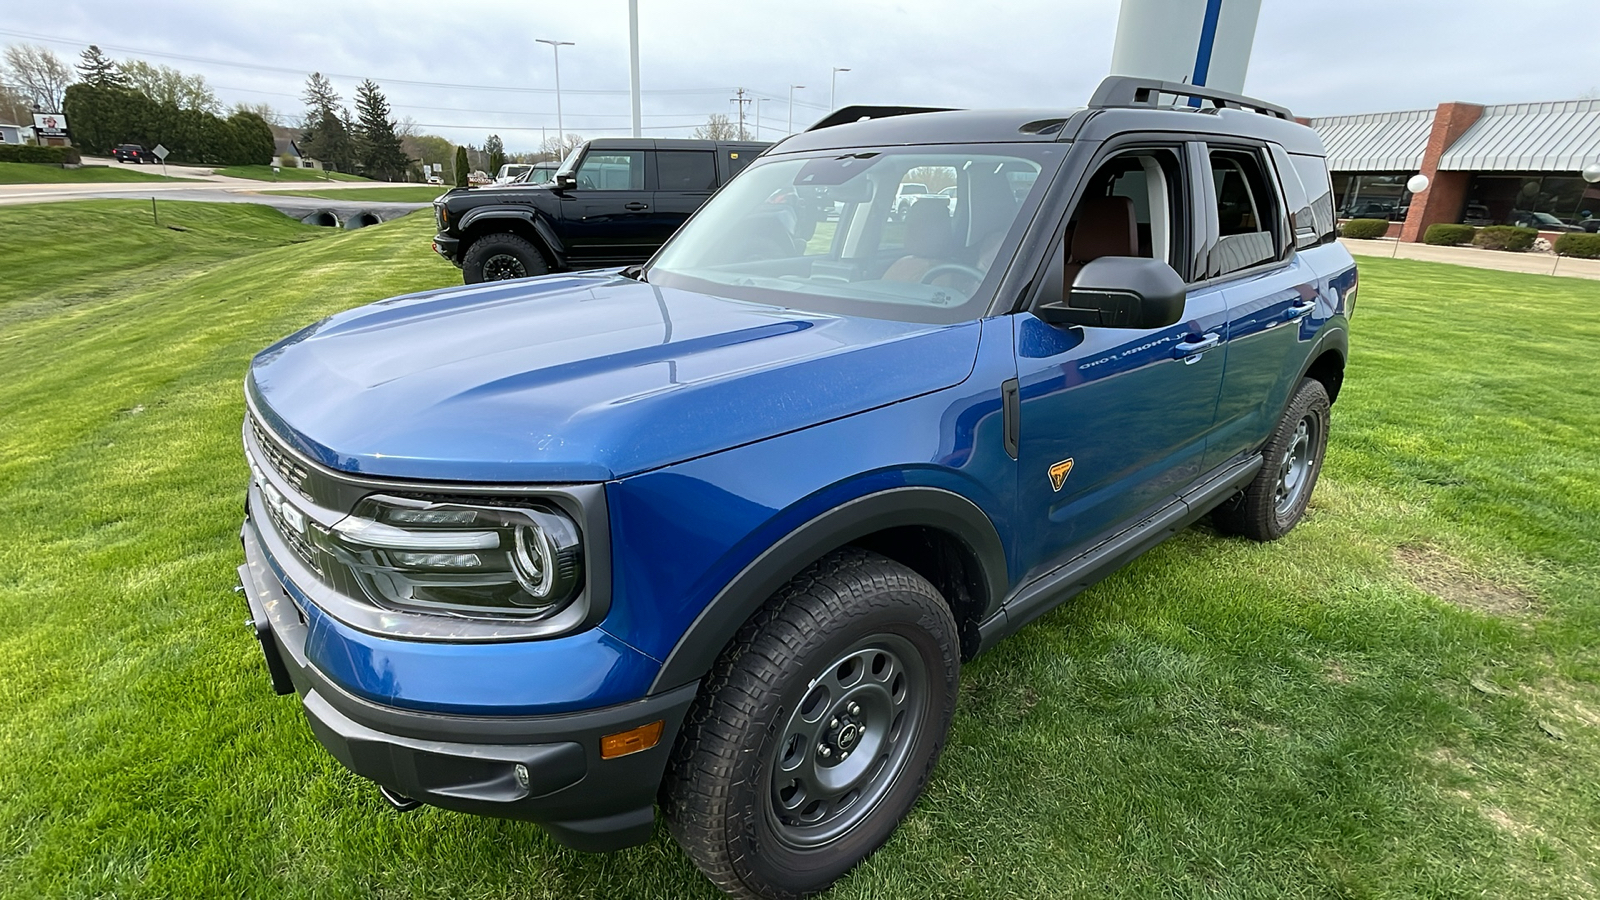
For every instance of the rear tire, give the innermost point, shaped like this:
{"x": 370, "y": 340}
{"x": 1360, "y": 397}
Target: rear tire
{"x": 500, "y": 256}
{"x": 1276, "y": 499}
{"x": 817, "y": 729}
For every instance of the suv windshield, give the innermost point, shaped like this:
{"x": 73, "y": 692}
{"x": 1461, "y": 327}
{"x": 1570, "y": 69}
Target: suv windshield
{"x": 823, "y": 234}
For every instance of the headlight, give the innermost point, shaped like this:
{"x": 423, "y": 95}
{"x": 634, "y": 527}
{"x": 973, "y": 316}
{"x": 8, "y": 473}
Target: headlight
{"x": 457, "y": 558}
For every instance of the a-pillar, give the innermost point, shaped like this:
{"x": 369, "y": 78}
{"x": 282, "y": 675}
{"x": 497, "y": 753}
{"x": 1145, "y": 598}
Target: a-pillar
{"x": 1447, "y": 191}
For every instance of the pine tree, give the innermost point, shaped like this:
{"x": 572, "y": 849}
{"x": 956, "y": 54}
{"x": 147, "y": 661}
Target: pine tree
{"x": 379, "y": 149}
{"x": 496, "y": 149}
{"x": 97, "y": 69}
{"x": 461, "y": 167}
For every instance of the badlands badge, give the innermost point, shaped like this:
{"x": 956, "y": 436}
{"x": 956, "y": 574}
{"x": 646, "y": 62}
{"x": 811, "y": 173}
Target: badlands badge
{"x": 1059, "y": 472}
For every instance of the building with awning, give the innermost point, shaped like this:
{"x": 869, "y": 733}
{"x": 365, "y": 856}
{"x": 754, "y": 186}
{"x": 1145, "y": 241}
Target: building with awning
{"x": 1507, "y": 164}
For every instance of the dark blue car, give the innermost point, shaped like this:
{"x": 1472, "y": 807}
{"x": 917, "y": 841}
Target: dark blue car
{"x": 721, "y": 529}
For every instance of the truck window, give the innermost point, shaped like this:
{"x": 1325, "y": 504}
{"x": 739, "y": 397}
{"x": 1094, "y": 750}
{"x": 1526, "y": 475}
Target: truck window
{"x": 1144, "y": 188}
{"x": 1313, "y": 171}
{"x": 685, "y": 170}
{"x": 612, "y": 170}
{"x": 1245, "y": 213}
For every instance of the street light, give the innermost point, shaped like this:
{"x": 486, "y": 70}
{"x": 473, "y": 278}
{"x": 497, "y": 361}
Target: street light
{"x": 561, "y": 132}
{"x": 792, "y": 89}
{"x": 833, "y": 82}
{"x": 759, "y": 101}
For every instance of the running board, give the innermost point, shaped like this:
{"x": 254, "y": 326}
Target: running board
{"x": 1046, "y": 592}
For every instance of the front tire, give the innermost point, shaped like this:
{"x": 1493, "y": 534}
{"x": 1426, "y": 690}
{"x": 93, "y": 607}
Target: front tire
{"x": 1276, "y": 500}
{"x": 500, "y": 256}
{"x": 817, "y": 729}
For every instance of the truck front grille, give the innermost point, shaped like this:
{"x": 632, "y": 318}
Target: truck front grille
{"x": 287, "y": 467}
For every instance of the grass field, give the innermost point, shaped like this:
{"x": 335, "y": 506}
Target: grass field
{"x": 398, "y": 194}
{"x": 265, "y": 173}
{"x": 38, "y": 173}
{"x": 1400, "y": 699}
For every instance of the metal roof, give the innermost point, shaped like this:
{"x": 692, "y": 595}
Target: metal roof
{"x": 1558, "y": 136}
{"x": 1376, "y": 142}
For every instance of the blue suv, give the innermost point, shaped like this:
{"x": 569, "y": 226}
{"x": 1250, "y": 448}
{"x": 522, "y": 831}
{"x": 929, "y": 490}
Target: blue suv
{"x": 717, "y": 532}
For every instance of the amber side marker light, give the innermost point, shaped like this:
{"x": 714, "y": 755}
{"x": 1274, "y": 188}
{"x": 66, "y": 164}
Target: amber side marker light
{"x": 634, "y": 740}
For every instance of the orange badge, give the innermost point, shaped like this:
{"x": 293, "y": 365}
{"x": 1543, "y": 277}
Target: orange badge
{"x": 1059, "y": 472}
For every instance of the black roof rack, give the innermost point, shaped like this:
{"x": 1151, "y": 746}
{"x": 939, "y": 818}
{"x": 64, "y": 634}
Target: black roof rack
{"x": 857, "y": 113}
{"x": 1126, "y": 90}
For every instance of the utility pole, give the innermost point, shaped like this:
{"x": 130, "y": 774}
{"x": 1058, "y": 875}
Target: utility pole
{"x": 741, "y": 100}
{"x": 633, "y": 65}
{"x": 792, "y": 89}
{"x": 561, "y": 131}
{"x": 833, "y": 83}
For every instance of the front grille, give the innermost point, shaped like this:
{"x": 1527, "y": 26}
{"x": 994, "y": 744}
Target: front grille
{"x": 287, "y": 467}
{"x": 296, "y": 541}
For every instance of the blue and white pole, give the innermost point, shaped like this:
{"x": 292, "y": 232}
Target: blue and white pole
{"x": 1200, "y": 42}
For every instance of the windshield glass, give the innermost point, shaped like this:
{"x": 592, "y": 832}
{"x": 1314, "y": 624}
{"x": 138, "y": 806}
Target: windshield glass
{"x": 839, "y": 233}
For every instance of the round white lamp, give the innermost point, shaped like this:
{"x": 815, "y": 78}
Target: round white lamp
{"x": 1417, "y": 183}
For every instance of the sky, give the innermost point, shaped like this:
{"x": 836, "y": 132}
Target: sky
{"x": 465, "y": 71}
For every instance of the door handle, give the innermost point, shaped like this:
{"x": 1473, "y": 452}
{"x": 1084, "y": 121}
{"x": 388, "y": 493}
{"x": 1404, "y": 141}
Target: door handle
{"x": 1300, "y": 310}
{"x": 1194, "y": 345}
{"x": 635, "y": 206}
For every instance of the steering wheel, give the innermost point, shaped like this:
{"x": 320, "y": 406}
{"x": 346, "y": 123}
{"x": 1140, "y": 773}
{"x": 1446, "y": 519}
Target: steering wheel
{"x": 972, "y": 272}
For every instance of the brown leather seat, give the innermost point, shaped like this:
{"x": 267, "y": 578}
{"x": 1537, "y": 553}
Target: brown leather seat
{"x": 1105, "y": 226}
{"x": 928, "y": 240}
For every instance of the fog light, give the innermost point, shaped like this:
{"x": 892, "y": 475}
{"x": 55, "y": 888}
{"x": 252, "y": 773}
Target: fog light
{"x": 634, "y": 740}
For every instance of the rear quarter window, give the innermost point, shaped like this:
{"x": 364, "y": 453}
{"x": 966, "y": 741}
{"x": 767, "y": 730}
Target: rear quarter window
{"x": 1313, "y": 174}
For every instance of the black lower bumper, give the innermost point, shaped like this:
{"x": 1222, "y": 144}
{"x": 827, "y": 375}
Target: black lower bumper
{"x": 447, "y": 247}
{"x": 545, "y": 769}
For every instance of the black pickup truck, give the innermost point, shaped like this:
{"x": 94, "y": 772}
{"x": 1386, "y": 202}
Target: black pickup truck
{"x": 612, "y": 203}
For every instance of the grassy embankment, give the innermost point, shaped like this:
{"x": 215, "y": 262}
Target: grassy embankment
{"x": 39, "y": 173}
{"x": 1402, "y": 698}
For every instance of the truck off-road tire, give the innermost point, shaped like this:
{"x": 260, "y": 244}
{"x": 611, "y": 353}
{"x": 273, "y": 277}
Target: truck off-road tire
{"x": 498, "y": 256}
{"x": 1276, "y": 500}
{"x": 816, "y": 730}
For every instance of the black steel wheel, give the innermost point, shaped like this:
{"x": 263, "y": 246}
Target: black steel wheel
{"x": 500, "y": 256}
{"x": 1276, "y": 500}
{"x": 816, "y": 731}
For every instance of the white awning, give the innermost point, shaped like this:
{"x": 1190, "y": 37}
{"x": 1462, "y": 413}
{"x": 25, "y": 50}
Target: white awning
{"x": 1560, "y": 136}
{"x": 1375, "y": 142}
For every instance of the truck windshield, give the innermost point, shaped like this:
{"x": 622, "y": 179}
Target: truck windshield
{"x": 825, "y": 233}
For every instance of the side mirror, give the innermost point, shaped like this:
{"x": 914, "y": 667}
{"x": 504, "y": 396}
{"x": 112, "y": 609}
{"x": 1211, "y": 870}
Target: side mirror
{"x": 1120, "y": 292}
{"x": 566, "y": 181}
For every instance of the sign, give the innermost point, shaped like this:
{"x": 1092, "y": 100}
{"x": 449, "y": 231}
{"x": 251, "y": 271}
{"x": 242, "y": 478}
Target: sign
{"x": 49, "y": 125}
{"x": 161, "y": 152}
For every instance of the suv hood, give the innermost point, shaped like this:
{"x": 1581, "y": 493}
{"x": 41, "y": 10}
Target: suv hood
{"x": 586, "y": 377}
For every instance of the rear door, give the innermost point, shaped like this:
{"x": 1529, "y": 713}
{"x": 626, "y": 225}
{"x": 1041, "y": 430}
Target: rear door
{"x": 605, "y": 220}
{"x": 685, "y": 179}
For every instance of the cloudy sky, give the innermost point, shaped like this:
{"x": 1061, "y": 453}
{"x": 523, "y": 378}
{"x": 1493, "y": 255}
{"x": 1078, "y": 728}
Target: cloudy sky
{"x": 467, "y": 70}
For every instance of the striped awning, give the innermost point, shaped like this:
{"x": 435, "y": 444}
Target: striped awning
{"x": 1375, "y": 142}
{"x": 1560, "y": 136}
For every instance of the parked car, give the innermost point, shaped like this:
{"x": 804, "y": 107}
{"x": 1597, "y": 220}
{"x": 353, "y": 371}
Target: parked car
{"x": 1477, "y": 214}
{"x": 539, "y": 173}
{"x": 133, "y": 153}
{"x": 721, "y": 529}
{"x": 512, "y": 172}
{"x": 611, "y": 203}
{"x": 1543, "y": 221}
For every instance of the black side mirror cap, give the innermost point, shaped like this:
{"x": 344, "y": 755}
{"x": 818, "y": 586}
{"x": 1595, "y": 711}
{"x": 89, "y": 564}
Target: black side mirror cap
{"x": 566, "y": 181}
{"x": 1120, "y": 292}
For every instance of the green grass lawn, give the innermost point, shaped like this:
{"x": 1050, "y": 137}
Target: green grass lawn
{"x": 1400, "y": 699}
{"x": 265, "y": 173}
{"x": 398, "y": 194}
{"x": 39, "y": 173}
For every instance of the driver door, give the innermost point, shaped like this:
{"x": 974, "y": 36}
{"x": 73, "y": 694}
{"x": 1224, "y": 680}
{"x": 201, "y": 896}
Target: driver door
{"x": 607, "y": 219}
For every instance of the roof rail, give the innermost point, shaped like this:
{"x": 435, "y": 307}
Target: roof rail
{"x": 857, "y": 113}
{"x": 1126, "y": 90}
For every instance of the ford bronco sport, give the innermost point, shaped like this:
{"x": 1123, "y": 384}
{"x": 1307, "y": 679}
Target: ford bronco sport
{"x": 720, "y": 530}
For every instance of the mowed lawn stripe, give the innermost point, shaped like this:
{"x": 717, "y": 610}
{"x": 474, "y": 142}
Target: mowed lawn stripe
{"x": 1354, "y": 711}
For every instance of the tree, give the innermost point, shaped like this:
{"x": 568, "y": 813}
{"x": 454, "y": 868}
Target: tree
{"x": 324, "y": 133}
{"x": 378, "y": 146}
{"x": 165, "y": 84}
{"x": 717, "y": 128}
{"x": 558, "y": 148}
{"x": 15, "y": 109}
{"x": 37, "y": 74}
{"x": 496, "y": 149}
{"x": 263, "y": 110}
{"x": 461, "y": 167}
{"x": 97, "y": 69}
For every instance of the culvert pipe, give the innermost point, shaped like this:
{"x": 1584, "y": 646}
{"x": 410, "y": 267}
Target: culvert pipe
{"x": 361, "y": 220}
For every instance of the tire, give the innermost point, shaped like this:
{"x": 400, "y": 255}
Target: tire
{"x": 498, "y": 256}
{"x": 855, "y": 653}
{"x": 1276, "y": 500}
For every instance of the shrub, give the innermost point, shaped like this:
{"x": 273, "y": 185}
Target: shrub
{"x": 1366, "y": 229}
{"x": 1582, "y": 246}
{"x": 33, "y": 153}
{"x": 1504, "y": 237}
{"x": 1444, "y": 235}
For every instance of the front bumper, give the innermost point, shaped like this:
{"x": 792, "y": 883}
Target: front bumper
{"x": 546, "y": 769}
{"x": 447, "y": 247}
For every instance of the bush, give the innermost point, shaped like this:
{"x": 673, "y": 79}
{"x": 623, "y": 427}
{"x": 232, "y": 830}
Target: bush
{"x": 1444, "y": 235}
{"x": 1366, "y": 229}
{"x": 103, "y": 117}
{"x": 1505, "y": 237}
{"x": 32, "y": 153}
{"x": 1582, "y": 246}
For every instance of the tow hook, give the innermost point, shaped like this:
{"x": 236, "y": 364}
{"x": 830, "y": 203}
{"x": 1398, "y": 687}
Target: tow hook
{"x": 399, "y": 801}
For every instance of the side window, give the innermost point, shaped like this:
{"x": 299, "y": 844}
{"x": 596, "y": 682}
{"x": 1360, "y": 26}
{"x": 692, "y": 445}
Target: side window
{"x": 612, "y": 170}
{"x": 1245, "y": 212}
{"x": 739, "y": 159}
{"x": 685, "y": 170}
{"x": 1319, "y": 193}
{"x": 1132, "y": 206}
{"x": 1301, "y": 222}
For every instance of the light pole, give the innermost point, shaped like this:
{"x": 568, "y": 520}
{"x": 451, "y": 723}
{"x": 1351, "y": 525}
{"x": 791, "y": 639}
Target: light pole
{"x": 759, "y": 101}
{"x": 561, "y": 132}
{"x": 792, "y": 89}
{"x": 633, "y": 65}
{"x": 833, "y": 82}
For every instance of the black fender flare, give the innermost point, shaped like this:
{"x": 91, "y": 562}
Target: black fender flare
{"x": 546, "y": 233}
{"x": 700, "y": 645}
{"x": 1336, "y": 338}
